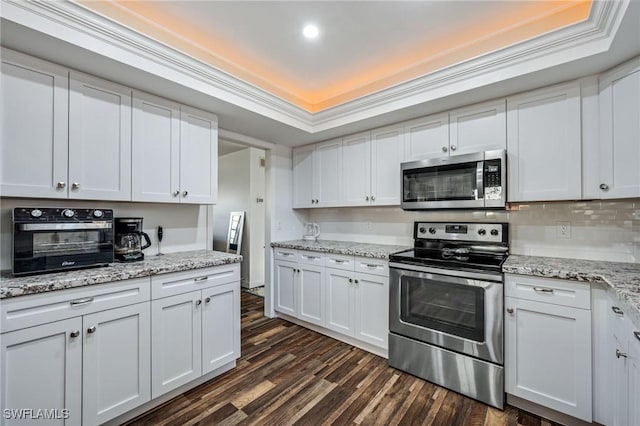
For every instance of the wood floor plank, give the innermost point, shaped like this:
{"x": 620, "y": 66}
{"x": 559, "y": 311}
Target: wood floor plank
{"x": 292, "y": 375}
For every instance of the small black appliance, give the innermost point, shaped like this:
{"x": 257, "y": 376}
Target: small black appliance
{"x": 128, "y": 244}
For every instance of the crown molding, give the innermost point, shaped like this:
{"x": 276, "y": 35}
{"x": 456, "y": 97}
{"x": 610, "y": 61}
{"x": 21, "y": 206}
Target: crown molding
{"x": 84, "y": 28}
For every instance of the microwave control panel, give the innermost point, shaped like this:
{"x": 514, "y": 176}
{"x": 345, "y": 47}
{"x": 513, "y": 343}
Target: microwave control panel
{"x": 492, "y": 180}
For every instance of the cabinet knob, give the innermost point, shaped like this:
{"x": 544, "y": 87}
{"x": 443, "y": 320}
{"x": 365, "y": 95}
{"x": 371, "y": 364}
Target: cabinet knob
{"x": 317, "y": 201}
{"x": 453, "y": 147}
{"x": 185, "y": 193}
{"x": 510, "y": 310}
{"x": 373, "y": 198}
{"x": 355, "y": 281}
{"x": 176, "y": 193}
{"x": 61, "y": 185}
{"x": 74, "y": 334}
{"x": 198, "y": 302}
{"x": 604, "y": 186}
{"x": 75, "y": 186}
{"x": 366, "y": 198}
{"x": 207, "y": 300}
{"x": 620, "y": 354}
{"x": 91, "y": 330}
{"x": 445, "y": 149}
{"x": 350, "y": 280}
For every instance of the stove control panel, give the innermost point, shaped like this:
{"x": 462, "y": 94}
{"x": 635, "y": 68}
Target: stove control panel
{"x": 481, "y": 232}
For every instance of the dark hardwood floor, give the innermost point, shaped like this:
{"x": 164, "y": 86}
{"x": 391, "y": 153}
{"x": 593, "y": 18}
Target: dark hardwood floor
{"x": 290, "y": 375}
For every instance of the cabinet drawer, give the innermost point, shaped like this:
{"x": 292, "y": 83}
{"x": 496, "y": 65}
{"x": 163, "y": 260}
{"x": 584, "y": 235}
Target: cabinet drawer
{"x": 28, "y": 311}
{"x": 182, "y": 282}
{"x": 340, "y": 261}
{"x": 285, "y": 254}
{"x": 311, "y": 258}
{"x": 372, "y": 266}
{"x": 559, "y": 292}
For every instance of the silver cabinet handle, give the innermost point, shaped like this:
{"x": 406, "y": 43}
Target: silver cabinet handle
{"x": 207, "y": 300}
{"x": 81, "y": 301}
{"x": 453, "y": 147}
{"x": 304, "y": 256}
{"x": 176, "y": 193}
{"x": 510, "y": 310}
{"x": 604, "y": 186}
{"x": 91, "y": 330}
{"x": 373, "y": 198}
{"x": 198, "y": 302}
{"x": 445, "y": 149}
{"x": 350, "y": 280}
{"x": 617, "y": 310}
{"x": 74, "y": 334}
{"x": 543, "y": 290}
{"x": 339, "y": 260}
{"x": 200, "y": 279}
{"x": 185, "y": 193}
{"x": 282, "y": 253}
{"x": 620, "y": 354}
{"x": 75, "y": 186}
{"x": 366, "y": 198}
{"x": 317, "y": 201}
{"x": 61, "y": 185}
{"x": 372, "y": 265}
{"x": 355, "y": 281}
{"x": 637, "y": 334}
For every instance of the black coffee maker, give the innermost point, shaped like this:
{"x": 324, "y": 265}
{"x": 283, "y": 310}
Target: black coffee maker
{"x": 128, "y": 245}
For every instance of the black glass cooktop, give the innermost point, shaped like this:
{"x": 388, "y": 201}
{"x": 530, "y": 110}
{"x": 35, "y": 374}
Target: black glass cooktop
{"x": 452, "y": 257}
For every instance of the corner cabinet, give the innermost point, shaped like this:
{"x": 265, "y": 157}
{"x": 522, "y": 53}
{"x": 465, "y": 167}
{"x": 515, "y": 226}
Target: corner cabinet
{"x": 544, "y": 144}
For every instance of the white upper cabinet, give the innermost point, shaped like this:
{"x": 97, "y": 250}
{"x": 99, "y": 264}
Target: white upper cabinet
{"x": 544, "y": 144}
{"x": 303, "y": 177}
{"x": 327, "y": 175}
{"x": 35, "y": 111}
{"x": 198, "y": 156}
{"x": 356, "y": 169}
{"x": 155, "y": 173}
{"x": 478, "y": 128}
{"x": 99, "y": 139}
{"x": 387, "y": 153}
{"x": 427, "y": 137}
{"x": 620, "y": 132}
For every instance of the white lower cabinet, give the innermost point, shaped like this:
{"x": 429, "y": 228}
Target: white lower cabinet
{"x": 372, "y": 309}
{"x": 548, "y": 344}
{"x": 220, "y": 326}
{"x": 633, "y": 393}
{"x": 286, "y": 289}
{"x": 339, "y": 290}
{"x": 310, "y": 294}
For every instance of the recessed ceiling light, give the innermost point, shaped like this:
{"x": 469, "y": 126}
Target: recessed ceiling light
{"x": 310, "y": 31}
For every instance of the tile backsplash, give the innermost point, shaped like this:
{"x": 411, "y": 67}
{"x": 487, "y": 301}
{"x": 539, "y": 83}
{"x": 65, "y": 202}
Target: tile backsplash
{"x": 597, "y": 230}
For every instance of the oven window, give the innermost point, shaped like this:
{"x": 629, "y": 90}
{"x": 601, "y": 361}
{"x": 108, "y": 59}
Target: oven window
{"x": 65, "y": 243}
{"x": 438, "y": 183}
{"x": 450, "y": 308}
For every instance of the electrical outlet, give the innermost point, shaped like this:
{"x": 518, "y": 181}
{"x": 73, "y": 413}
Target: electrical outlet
{"x": 563, "y": 229}
{"x": 369, "y": 225}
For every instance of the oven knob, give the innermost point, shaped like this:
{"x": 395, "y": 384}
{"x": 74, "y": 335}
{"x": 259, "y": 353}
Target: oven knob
{"x": 432, "y": 231}
{"x": 68, "y": 213}
{"x": 422, "y": 230}
{"x": 494, "y": 232}
{"x": 97, "y": 213}
{"x": 36, "y": 213}
{"x": 481, "y": 231}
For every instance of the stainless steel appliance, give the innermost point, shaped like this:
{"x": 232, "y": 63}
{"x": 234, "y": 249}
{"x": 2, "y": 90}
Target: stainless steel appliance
{"x": 446, "y": 307}
{"x": 128, "y": 242}
{"x": 460, "y": 181}
{"x": 56, "y": 239}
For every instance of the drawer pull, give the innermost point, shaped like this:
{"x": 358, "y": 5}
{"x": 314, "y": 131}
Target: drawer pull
{"x": 339, "y": 260}
{"x": 310, "y": 257}
{"x": 372, "y": 265}
{"x": 200, "y": 279}
{"x": 620, "y": 354}
{"x": 617, "y": 310}
{"x": 198, "y": 302}
{"x": 285, "y": 254}
{"x": 91, "y": 330}
{"x": 543, "y": 290}
{"x": 637, "y": 334}
{"x": 81, "y": 301}
{"x": 74, "y": 334}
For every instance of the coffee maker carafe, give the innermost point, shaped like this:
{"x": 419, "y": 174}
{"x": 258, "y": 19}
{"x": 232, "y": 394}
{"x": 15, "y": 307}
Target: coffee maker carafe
{"x": 128, "y": 239}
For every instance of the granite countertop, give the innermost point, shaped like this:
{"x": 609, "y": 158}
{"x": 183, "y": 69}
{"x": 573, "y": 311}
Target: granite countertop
{"x": 11, "y": 286}
{"x": 622, "y": 279}
{"x": 349, "y": 248}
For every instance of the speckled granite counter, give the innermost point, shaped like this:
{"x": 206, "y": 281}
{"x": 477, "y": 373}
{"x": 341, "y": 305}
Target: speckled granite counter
{"x": 172, "y": 262}
{"x": 377, "y": 251}
{"x": 622, "y": 279}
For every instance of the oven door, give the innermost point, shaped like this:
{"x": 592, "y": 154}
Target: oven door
{"x": 456, "y": 310}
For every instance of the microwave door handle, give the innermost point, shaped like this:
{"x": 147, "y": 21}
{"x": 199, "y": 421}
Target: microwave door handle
{"x": 480, "y": 179}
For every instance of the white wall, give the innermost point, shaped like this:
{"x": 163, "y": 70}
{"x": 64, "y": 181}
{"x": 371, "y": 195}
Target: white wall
{"x": 600, "y": 230}
{"x": 257, "y": 215}
{"x": 185, "y": 226}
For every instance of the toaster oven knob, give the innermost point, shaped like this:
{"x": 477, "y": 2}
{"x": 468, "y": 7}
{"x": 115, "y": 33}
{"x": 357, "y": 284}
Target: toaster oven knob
{"x": 36, "y": 213}
{"x": 68, "y": 213}
{"x": 494, "y": 232}
{"x": 422, "y": 230}
{"x": 482, "y": 231}
{"x": 98, "y": 213}
{"x": 432, "y": 231}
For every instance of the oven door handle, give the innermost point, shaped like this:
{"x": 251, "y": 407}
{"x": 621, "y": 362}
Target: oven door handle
{"x": 448, "y": 272}
{"x": 64, "y": 226}
{"x": 480, "y": 179}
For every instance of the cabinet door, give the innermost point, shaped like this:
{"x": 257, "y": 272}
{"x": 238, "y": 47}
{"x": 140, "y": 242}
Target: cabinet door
{"x": 387, "y": 152}
{"x": 41, "y": 367}
{"x": 99, "y": 139}
{"x": 633, "y": 392}
{"x": 372, "y": 309}
{"x": 620, "y": 132}
{"x": 198, "y": 156}
{"x": 220, "y": 326}
{"x": 303, "y": 177}
{"x": 310, "y": 294}
{"x": 176, "y": 342}
{"x": 116, "y": 367}
{"x": 327, "y": 173}
{"x": 286, "y": 289}
{"x": 356, "y": 170}
{"x": 339, "y": 290}
{"x": 155, "y": 146}
{"x": 478, "y": 128}
{"x": 544, "y": 145}
{"x": 427, "y": 137}
{"x": 619, "y": 382}
{"x": 35, "y": 114}
{"x": 545, "y": 342}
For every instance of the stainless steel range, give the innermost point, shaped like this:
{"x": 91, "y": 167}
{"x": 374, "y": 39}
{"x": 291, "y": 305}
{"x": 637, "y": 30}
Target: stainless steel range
{"x": 446, "y": 307}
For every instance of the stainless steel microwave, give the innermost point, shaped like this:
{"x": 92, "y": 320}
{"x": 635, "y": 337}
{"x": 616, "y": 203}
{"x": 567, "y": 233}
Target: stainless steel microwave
{"x": 470, "y": 181}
